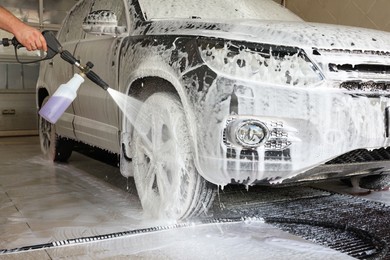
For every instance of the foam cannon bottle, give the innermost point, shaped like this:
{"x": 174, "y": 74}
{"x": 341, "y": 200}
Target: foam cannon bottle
{"x": 66, "y": 93}
{"x": 61, "y": 99}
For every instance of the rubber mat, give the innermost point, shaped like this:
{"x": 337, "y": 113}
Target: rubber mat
{"x": 349, "y": 224}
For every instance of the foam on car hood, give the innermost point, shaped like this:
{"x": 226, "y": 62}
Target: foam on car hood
{"x": 299, "y": 34}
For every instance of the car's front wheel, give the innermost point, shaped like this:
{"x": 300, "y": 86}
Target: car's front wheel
{"x": 167, "y": 181}
{"x": 53, "y": 147}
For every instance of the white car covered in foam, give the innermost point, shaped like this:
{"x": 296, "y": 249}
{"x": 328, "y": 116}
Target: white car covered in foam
{"x": 241, "y": 92}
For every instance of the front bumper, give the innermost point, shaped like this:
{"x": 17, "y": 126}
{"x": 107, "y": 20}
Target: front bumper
{"x": 317, "y": 125}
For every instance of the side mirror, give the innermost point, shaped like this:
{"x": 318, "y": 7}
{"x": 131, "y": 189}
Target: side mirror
{"x": 103, "y": 22}
{"x": 53, "y": 48}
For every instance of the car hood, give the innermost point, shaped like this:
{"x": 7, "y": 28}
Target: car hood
{"x": 298, "y": 34}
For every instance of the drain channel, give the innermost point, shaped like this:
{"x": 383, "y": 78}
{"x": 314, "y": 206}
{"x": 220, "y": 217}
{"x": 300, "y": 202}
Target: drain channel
{"x": 83, "y": 240}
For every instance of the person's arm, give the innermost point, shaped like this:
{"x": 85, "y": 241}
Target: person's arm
{"x": 28, "y": 36}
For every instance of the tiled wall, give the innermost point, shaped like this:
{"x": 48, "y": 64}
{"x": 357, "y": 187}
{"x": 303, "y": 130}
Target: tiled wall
{"x": 363, "y": 13}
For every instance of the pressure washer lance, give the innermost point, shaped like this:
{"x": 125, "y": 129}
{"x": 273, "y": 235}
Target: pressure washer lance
{"x": 66, "y": 93}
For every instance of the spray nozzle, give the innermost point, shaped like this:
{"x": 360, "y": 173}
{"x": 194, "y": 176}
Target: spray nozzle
{"x": 96, "y": 79}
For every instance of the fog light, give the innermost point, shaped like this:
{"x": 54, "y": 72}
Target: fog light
{"x": 247, "y": 133}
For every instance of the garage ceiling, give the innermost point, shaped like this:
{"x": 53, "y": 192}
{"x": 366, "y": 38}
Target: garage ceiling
{"x": 43, "y": 14}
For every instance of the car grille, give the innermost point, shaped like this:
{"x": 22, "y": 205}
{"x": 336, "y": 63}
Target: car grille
{"x": 368, "y": 74}
{"x": 370, "y": 86}
{"x": 365, "y": 68}
{"x": 363, "y": 155}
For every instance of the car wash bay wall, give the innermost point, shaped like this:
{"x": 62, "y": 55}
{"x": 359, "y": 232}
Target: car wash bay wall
{"x": 372, "y": 14}
{"x": 17, "y": 99}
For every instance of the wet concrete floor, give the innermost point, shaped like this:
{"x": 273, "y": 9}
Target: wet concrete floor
{"x": 43, "y": 202}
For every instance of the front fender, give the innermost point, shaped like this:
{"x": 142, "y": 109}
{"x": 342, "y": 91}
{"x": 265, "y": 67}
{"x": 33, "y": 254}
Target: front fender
{"x": 176, "y": 63}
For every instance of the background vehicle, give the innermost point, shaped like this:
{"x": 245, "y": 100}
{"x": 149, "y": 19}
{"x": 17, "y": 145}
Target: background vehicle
{"x": 242, "y": 92}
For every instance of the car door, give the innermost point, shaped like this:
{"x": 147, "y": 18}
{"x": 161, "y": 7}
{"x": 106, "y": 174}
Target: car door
{"x": 96, "y": 114}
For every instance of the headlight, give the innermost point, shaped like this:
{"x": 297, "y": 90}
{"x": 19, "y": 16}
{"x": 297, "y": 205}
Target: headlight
{"x": 260, "y": 62}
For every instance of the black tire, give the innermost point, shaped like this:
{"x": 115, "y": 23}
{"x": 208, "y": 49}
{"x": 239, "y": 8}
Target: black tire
{"x": 375, "y": 182}
{"x": 167, "y": 181}
{"x": 53, "y": 147}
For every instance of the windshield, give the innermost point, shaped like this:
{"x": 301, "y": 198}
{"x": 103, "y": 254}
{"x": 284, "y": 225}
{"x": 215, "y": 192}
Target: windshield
{"x": 216, "y": 9}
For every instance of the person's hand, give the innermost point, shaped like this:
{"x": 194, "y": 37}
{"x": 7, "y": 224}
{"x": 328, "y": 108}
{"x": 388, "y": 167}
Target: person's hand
{"x": 28, "y": 36}
{"x": 31, "y": 38}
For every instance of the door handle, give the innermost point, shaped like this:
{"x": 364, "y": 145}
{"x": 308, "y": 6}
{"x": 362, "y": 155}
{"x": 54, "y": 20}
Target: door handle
{"x": 8, "y": 112}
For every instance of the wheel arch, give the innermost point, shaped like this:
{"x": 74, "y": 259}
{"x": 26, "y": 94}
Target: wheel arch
{"x": 144, "y": 86}
{"x": 41, "y": 94}
{"x": 144, "y": 82}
